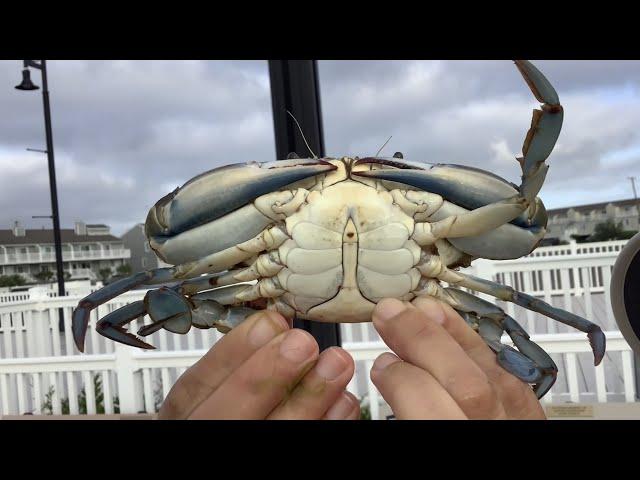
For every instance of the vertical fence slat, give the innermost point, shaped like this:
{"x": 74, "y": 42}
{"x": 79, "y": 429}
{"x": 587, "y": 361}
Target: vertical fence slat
{"x": 166, "y": 382}
{"x": 204, "y": 337}
{"x": 374, "y": 404}
{"x": 20, "y": 387}
{"x": 148, "y": 391}
{"x": 587, "y": 282}
{"x": 601, "y": 385}
{"x": 606, "y": 280}
{"x": 191, "y": 340}
{"x": 98, "y": 313}
{"x": 572, "y": 377}
{"x": 37, "y": 394}
{"x": 627, "y": 375}
{"x": 364, "y": 331}
{"x": 347, "y": 332}
{"x": 7, "y": 335}
{"x": 87, "y": 380}
{"x": 68, "y": 336}
{"x": 106, "y": 391}
{"x": 74, "y": 408}
{"x": 56, "y": 407}
{"x": 55, "y": 330}
{"x": 19, "y": 334}
{"x": 4, "y": 388}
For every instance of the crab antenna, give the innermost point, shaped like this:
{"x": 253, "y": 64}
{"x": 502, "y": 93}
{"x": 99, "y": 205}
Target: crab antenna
{"x": 384, "y": 145}
{"x": 300, "y": 128}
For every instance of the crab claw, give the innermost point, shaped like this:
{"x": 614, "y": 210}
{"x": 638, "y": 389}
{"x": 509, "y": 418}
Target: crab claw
{"x": 218, "y": 192}
{"x": 169, "y": 309}
{"x": 112, "y": 325}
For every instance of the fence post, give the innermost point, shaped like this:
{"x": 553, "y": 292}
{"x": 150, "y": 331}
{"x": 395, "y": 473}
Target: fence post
{"x": 124, "y": 368}
{"x": 574, "y": 247}
{"x": 37, "y": 324}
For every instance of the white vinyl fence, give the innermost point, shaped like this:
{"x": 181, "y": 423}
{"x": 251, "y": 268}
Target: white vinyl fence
{"x": 41, "y": 371}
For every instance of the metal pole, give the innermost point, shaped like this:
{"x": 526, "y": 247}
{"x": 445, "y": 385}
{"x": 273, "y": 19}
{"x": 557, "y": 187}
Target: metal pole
{"x": 636, "y": 363}
{"x": 52, "y": 180}
{"x": 635, "y": 196}
{"x": 294, "y": 87}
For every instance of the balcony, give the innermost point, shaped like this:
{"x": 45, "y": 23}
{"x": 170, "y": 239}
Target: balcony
{"x": 50, "y": 257}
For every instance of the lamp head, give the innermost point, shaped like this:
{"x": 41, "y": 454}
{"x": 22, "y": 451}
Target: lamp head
{"x": 27, "y": 84}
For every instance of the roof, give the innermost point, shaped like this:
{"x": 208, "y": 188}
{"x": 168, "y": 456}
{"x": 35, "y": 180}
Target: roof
{"x": 594, "y": 206}
{"x": 67, "y": 235}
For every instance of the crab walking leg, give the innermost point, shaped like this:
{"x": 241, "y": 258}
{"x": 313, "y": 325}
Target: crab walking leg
{"x": 268, "y": 239}
{"x": 596, "y": 337}
{"x": 530, "y": 363}
{"x": 266, "y": 265}
{"x": 81, "y": 314}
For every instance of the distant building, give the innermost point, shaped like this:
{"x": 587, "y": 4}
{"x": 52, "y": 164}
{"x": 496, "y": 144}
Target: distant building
{"x": 142, "y": 256}
{"x": 86, "y": 249}
{"x": 582, "y": 219}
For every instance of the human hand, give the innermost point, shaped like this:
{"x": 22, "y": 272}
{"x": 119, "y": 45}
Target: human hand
{"x": 262, "y": 369}
{"x": 443, "y": 369}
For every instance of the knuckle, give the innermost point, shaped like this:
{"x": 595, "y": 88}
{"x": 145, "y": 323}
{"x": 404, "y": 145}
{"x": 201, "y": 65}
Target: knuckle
{"x": 476, "y": 395}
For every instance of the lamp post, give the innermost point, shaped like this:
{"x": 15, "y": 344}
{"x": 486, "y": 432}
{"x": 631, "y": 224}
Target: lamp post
{"x": 28, "y": 85}
{"x": 294, "y": 88}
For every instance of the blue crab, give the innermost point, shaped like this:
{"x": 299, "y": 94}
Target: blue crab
{"x": 325, "y": 239}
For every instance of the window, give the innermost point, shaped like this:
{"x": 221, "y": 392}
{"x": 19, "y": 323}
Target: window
{"x": 147, "y": 248}
{"x": 144, "y": 263}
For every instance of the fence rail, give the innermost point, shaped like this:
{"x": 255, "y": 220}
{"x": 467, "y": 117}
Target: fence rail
{"x": 41, "y": 371}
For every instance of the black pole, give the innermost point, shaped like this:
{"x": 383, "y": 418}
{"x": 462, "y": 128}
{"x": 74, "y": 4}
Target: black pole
{"x": 52, "y": 180}
{"x": 294, "y": 87}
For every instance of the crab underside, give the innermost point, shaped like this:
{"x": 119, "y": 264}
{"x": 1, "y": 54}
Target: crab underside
{"x": 326, "y": 239}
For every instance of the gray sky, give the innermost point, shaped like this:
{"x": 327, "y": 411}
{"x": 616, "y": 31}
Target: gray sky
{"x": 125, "y": 133}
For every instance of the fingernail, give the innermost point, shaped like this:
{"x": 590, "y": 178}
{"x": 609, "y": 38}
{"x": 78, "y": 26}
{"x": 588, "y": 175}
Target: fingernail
{"x": 341, "y": 410}
{"x": 332, "y": 364}
{"x": 388, "y": 308}
{"x": 297, "y": 346}
{"x": 384, "y": 360}
{"x": 431, "y": 308}
{"x": 266, "y": 328}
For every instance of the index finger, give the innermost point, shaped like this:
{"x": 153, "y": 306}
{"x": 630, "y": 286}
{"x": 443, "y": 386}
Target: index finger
{"x": 228, "y": 354}
{"x": 517, "y": 398}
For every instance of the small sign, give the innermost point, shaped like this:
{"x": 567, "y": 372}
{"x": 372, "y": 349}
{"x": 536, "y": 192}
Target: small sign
{"x": 573, "y": 411}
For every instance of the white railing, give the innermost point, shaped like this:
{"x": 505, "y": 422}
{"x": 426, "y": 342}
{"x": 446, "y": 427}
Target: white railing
{"x": 67, "y": 256}
{"x": 40, "y": 365}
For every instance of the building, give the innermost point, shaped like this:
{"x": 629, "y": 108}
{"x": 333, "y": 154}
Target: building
{"x": 582, "y": 220}
{"x": 86, "y": 249}
{"x": 142, "y": 256}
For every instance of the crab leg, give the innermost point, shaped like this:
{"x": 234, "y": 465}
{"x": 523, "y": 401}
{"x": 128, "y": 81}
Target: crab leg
{"x": 596, "y": 337}
{"x": 454, "y": 183}
{"x": 216, "y": 263}
{"x": 529, "y": 363}
{"x": 81, "y": 314}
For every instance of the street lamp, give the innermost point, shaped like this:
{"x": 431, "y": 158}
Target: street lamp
{"x": 28, "y": 85}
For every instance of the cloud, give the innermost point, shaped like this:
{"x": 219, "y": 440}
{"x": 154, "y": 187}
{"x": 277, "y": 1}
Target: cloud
{"x": 126, "y": 133}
